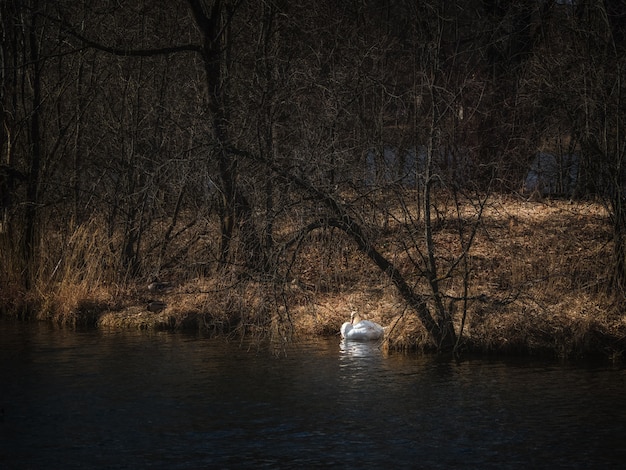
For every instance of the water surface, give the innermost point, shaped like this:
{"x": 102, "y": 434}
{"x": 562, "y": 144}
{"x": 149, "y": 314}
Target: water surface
{"x": 168, "y": 400}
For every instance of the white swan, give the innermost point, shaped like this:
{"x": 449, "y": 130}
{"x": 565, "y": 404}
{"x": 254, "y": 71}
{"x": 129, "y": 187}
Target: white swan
{"x": 362, "y": 330}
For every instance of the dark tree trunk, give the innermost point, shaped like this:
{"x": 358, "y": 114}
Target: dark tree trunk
{"x": 32, "y": 183}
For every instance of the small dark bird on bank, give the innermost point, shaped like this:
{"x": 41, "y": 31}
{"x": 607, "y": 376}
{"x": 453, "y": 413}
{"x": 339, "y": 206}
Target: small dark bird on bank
{"x": 156, "y": 306}
{"x": 158, "y": 286}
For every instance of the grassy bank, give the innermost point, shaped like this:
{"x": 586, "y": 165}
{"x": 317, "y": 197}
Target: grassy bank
{"x": 538, "y": 285}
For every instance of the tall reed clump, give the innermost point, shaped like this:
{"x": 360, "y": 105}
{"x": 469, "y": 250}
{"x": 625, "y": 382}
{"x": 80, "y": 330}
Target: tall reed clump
{"x": 77, "y": 277}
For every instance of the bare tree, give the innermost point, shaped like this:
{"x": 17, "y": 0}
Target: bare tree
{"x": 600, "y": 115}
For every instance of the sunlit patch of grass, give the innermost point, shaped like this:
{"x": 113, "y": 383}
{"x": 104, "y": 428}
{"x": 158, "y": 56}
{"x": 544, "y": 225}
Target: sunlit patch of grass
{"x": 538, "y": 283}
{"x": 546, "y": 288}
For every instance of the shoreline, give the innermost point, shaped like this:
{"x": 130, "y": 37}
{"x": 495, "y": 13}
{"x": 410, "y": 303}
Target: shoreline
{"x": 538, "y": 287}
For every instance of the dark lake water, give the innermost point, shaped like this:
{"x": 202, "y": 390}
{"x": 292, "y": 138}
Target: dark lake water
{"x": 169, "y": 400}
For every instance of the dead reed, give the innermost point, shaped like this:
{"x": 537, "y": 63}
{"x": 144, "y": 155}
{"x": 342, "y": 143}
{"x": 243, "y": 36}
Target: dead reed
{"x": 76, "y": 278}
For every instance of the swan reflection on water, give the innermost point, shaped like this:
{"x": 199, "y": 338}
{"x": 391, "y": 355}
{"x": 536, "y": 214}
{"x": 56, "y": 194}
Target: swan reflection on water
{"x": 360, "y": 348}
{"x": 361, "y": 369}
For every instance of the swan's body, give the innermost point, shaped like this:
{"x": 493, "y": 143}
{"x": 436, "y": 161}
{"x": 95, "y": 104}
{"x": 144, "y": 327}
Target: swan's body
{"x": 361, "y": 330}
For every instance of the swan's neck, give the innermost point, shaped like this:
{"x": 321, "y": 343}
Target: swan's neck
{"x": 356, "y": 318}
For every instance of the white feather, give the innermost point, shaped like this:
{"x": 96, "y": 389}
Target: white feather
{"x": 361, "y": 330}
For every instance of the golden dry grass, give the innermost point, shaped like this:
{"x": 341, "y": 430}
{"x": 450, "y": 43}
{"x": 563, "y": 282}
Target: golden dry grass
{"x": 71, "y": 286}
{"x": 544, "y": 269}
{"x": 538, "y": 284}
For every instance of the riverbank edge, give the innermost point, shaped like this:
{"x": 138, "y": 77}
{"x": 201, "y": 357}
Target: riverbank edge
{"x": 531, "y": 335}
{"x": 540, "y": 285}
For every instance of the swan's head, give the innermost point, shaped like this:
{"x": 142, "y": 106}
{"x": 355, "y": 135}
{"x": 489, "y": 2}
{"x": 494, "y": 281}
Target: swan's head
{"x": 355, "y": 317}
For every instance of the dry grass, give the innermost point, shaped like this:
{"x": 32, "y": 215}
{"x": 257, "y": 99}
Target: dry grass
{"x": 539, "y": 283}
{"x": 79, "y": 287}
{"x": 543, "y": 268}
{"x": 539, "y": 273}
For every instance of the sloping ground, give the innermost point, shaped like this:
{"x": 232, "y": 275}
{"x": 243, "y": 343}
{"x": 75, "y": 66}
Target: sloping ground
{"x": 538, "y": 283}
{"x": 546, "y": 277}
